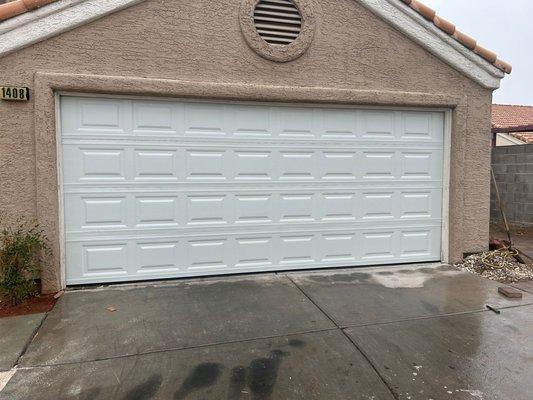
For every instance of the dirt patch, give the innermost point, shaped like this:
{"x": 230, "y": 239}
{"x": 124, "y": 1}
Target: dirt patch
{"x": 498, "y": 265}
{"x": 35, "y": 305}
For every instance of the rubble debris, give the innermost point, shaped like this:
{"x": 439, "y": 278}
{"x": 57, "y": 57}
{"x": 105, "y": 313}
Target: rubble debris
{"x": 510, "y": 292}
{"x": 497, "y": 265}
{"x": 494, "y": 309}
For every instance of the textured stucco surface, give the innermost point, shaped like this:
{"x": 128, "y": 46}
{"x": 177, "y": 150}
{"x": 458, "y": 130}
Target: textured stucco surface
{"x": 196, "y": 49}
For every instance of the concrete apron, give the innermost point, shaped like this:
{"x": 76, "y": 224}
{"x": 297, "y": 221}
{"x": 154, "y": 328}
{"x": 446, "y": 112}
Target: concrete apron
{"x": 403, "y": 332}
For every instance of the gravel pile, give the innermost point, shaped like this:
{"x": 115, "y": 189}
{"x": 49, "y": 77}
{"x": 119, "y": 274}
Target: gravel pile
{"x": 498, "y": 265}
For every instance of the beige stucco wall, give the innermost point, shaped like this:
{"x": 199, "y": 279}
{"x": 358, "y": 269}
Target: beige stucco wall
{"x": 198, "y": 48}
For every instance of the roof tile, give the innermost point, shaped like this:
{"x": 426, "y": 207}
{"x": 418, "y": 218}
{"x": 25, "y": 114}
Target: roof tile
{"x": 465, "y": 40}
{"x": 508, "y": 117}
{"x": 445, "y": 25}
{"x": 462, "y": 38}
{"x": 526, "y": 137}
{"x": 16, "y": 7}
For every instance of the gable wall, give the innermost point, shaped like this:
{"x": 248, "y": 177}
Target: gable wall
{"x": 201, "y": 41}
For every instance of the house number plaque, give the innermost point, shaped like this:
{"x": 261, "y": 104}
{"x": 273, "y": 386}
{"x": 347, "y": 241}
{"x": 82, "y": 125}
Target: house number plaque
{"x": 14, "y": 93}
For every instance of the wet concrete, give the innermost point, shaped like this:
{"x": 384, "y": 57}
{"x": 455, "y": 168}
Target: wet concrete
{"x": 15, "y": 334}
{"x": 472, "y": 357}
{"x": 369, "y": 333}
{"x": 321, "y": 365}
{"x": 525, "y": 286}
{"x": 359, "y": 297}
{"x": 193, "y": 313}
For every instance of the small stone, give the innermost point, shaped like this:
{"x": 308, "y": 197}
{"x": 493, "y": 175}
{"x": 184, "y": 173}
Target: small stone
{"x": 59, "y": 294}
{"x": 111, "y": 309}
{"x": 510, "y": 292}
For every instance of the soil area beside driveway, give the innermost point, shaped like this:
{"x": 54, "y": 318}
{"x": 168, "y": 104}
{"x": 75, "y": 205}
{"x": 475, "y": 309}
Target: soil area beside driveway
{"x": 403, "y": 332}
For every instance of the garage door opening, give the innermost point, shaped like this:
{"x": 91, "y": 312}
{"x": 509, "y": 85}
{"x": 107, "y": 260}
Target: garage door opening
{"x": 156, "y": 189}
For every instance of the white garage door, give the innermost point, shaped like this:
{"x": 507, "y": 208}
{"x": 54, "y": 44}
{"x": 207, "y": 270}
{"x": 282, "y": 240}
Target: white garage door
{"x": 159, "y": 189}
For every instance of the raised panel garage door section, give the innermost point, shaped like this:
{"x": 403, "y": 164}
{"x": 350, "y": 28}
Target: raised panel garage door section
{"x": 162, "y": 189}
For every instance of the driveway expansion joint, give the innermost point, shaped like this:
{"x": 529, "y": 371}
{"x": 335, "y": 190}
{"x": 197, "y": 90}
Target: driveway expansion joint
{"x": 30, "y": 339}
{"x": 177, "y": 349}
{"x": 354, "y": 344}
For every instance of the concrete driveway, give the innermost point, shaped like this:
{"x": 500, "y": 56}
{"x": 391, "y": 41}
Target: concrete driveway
{"x": 415, "y": 332}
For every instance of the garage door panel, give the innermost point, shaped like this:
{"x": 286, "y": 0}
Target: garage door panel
{"x": 254, "y": 251}
{"x": 238, "y": 208}
{"x": 160, "y": 189}
{"x": 181, "y": 164}
{"x": 158, "y": 257}
{"x": 105, "y": 117}
{"x": 153, "y": 258}
{"x": 153, "y": 164}
{"x": 86, "y": 116}
{"x": 100, "y": 258}
{"x": 156, "y": 211}
{"x": 339, "y": 124}
{"x": 155, "y": 118}
{"x": 338, "y": 206}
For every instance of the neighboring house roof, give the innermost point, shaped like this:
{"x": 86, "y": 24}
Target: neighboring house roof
{"x": 526, "y": 137}
{"x": 515, "y": 120}
{"x": 512, "y": 118}
{"x": 17, "y": 7}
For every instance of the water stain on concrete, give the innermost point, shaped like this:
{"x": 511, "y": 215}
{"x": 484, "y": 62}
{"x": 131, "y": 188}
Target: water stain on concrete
{"x": 296, "y": 343}
{"x": 385, "y": 273}
{"x": 264, "y": 374}
{"x": 259, "y": 378}
{"x": 145, "y": 390}
{"x": 329, "y": 278}
{"x": 203, "y": 375}
{"x": 237, "y": 383}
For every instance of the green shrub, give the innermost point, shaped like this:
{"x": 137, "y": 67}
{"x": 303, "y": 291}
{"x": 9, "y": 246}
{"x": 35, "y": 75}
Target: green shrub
{"x": 22, "y": 248}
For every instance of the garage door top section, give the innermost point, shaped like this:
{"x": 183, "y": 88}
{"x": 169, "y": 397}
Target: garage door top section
{"x": 158, "y": 189}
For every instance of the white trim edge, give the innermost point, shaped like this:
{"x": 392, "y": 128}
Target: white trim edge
{"x": 54, "y": 19}
{"x": 446, "y": 176}
{"x": 437, "y": 42}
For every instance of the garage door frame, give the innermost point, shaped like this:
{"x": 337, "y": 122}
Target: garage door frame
{"x": 448, "y": 113}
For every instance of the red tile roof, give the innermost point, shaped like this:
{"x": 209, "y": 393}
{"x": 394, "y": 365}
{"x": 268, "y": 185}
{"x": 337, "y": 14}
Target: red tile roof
{"x": 526, "y": 137}
{"x": 512, "y": 118}
{"x": 17, "y": 7}
{"x": 451, "y": 30}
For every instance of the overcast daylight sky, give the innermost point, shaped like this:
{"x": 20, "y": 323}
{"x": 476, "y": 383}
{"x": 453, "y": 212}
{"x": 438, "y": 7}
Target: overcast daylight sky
{"x": 505, "y": 27}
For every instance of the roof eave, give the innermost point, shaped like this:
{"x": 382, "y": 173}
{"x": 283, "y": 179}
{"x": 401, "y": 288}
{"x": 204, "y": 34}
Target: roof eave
{"x": 53, "y": 19}
{"x": 517, "y": 128}
{"x": 439, "y": 43}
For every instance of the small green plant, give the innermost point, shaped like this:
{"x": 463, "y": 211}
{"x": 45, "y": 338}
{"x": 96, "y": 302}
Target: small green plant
{"x": 22, "y": 248}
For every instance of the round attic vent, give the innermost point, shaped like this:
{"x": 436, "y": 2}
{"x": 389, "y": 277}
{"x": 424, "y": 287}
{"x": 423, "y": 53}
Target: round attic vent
{"x": 278, "y": 30}
{"x": 278, "y": 22}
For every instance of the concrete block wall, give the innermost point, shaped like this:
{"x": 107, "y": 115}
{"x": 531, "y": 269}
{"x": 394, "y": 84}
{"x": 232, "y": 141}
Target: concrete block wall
{"x": 513, "y": 168}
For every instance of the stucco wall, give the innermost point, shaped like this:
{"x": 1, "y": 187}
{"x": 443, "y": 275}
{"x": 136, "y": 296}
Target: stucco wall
{"x": 201, "y": 41}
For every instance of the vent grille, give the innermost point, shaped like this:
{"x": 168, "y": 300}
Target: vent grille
{"x": 277, "y": 21}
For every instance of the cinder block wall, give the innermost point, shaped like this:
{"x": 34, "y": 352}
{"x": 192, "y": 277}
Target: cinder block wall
{"x": 513, "y": 168}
